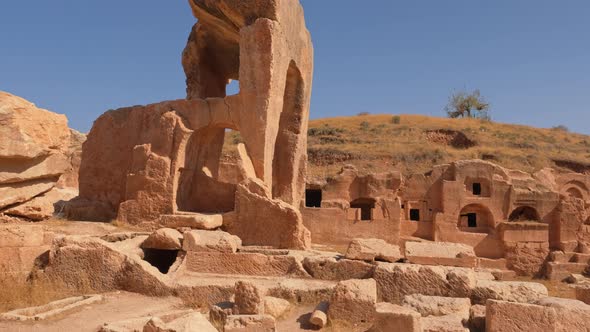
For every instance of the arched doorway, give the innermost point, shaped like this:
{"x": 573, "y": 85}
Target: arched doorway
{"x": 524, "y": 213}
{"x": 476, "y": 218}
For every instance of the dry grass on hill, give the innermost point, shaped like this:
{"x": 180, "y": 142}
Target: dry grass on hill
{"x": 414, "y": 143}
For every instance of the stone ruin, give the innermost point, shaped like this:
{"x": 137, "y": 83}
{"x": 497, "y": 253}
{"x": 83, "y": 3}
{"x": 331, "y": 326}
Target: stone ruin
{"x": 430, "y": 252}
{"x": 161, "y": 164}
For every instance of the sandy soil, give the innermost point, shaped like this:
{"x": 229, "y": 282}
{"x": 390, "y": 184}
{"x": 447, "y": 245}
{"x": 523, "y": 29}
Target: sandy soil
{"x": 115, "y": 307}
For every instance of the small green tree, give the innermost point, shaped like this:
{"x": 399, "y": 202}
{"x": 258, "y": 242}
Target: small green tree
{"x": 471, "y": 105}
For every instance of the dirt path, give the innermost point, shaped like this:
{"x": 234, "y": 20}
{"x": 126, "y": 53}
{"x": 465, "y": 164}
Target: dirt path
{"x": 116, "y": 306}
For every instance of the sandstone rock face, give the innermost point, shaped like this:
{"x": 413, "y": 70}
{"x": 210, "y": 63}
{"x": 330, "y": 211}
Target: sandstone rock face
{"x": 142, "y": 162}
{"x": 165, "y": 239}
{"x": 194, "y": 321}
{"x": 583, "y": 293}
{"x": 391, "y": 317}
{"x": 352, "y": 304}
{"x": 36, "y": 149}
{"x": 373, "y": 249}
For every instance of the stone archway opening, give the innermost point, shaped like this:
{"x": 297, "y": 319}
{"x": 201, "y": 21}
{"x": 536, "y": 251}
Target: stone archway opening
{"x": 201, "y": 188}
{"x": 284, "y": 167}
{"x": 313, "y": 198}
{"x": 524, "y": 214}
{"x": 476, "y": 218}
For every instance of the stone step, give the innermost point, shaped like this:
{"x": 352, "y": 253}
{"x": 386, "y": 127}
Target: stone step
{"x": 488, "y": 263}
{"x": 192, "y": 220}
{"x": 560, "y": 271}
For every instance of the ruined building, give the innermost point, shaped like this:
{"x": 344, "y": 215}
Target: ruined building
{"x": 159, "y": 165}
{"x": 510, "y": 218}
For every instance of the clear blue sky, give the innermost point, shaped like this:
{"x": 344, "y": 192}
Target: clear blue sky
{"x": 530, "y": 58}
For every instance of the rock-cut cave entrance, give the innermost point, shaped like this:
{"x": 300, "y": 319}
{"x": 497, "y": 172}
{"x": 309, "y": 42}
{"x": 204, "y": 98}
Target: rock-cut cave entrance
{"x": 160, "y": 259}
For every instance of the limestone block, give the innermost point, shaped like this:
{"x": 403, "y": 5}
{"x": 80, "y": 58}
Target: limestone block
{"x": 373, "y": 249}
{"x": 211, "y": 241}
{"x": 164, "y": 239}
{"x": 352, "y": 303}
{"x": 440, "y": 253}
{"x": 391, "y": 317}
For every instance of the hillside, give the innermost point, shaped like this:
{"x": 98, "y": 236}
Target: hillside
{"x": 414, "y": 143}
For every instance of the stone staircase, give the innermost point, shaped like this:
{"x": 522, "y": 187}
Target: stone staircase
{"x": 562, "y": 264}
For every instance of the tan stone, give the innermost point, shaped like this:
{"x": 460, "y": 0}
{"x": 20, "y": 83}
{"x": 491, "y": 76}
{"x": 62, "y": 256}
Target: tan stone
{"x": 23, "y": 191}
{"x": 21, "y": 235}
{"x": 439, "y": 306}
{"x": 449, "y": 323}
{"x": 583, "y": 293}
{"x": 331, "y": 268}
{"x": 513, "y": 291}
{"x": 248, "y": 299}
{"x": 352, "y": 304}
{"x": 219, "y": 312}
{"x": 250, "y": 323}
{"x": 244, "y": 264}
{"x": 211, "y": 241}
{"x": 477, "y": 318}
{"x": 391, "y": 317}
{"x": 373, "y": 249}
{"x": 193, "y": 220}
{"x": 194, "y": 321}
{"x": 319, "y": 316}
{"x": 437, "y": 253}
{"x": 395, "y": 281}
{"x": 44, "y": 206}
{"x": 165, "y": 239}
{"x": 29, "y": 132}
{"x": 512, "y": 317}
{"x": 275, "y": 306}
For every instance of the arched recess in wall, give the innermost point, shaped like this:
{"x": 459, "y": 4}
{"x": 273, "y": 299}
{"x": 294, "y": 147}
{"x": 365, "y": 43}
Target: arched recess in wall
{"x": 575, "y": 189}
{"x": 476, "y": 218}
{"x": 524, "y": 213}
{"x": 199, "y": 187}
{"x": 284, "y": 163}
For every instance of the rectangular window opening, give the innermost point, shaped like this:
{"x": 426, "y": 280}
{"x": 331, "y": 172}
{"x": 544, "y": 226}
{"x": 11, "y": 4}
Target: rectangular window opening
{"x": 414, "y": 214}
{"x": 477, "y": 189}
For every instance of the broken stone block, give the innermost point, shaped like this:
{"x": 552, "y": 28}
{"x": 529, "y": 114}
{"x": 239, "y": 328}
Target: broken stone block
{"x": 331, "y": 268}
{"x": 395, "y": 281}
{"x": 513, "y": 291}
{"x": 275, "y": 306}
{"x": 391, "y": 317}
{"x": 352, "y": 304}
{"x": 448, "y": 323}
{"x": 248, "y": 300}
{"x": 583, "y": 293}
{"x": 194, "y": 321}
{"x": 477, "y": 318}
{"x": 440, "y": 253}
{"x": 576, "y": 278}
{"x": 438, "y": 306}
{"x": 211, "y": 241}
{"x": 244, "y": 264}
{"x": 164, "y": 239}
{"x": 250, "y": 323}
{"x": 193, "y": 221}
{"x": 373, "y": 249}
{"x": 502, "y": 316}
{"x": 219, "y": 312}
{"x": 319, "y": 317}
